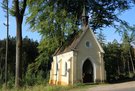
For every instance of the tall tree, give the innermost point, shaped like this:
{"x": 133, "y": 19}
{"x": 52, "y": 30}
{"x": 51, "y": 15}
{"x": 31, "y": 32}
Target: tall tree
{"x": 56, "y": 20}
{"x": 19, "y": 10}
{"x": 5, "y": 6}
{"x": 112, "y": 61}
{"x": 101, "y": 38}
{"x": 128, "y": 38}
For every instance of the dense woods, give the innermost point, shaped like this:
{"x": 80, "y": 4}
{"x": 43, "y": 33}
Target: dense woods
{"x": 29, "y": 54}
{"x": 56, "y": 21}
{"x": 119, "y": 63}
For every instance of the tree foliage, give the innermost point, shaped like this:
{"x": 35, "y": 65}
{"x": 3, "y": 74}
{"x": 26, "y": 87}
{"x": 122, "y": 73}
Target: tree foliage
{"x": 120, "y": 58}
{"x": 102, "y": 13}
{"x": 57, "y": 20}
{"x": 101, "y": 38}
{"x": 29, "y": 54}
{"x": 117, "y": 63}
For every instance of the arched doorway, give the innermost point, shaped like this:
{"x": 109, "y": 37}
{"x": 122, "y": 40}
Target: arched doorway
{"x": 87, "y": 71}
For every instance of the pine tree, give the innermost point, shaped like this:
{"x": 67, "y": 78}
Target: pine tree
{"x": 6, "y": 9}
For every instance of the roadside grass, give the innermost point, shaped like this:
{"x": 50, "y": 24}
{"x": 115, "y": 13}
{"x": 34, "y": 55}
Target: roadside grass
{"x": 42, "y": 87}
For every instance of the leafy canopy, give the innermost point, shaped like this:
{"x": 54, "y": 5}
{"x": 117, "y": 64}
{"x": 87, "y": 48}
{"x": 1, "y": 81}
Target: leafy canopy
{"x": 56, "y": 20}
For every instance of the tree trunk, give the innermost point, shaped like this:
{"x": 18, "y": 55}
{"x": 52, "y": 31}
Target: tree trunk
{"x": 124, "y": 66}
{"x": 19, "y": 13}
{"x": 18, "y": 53}
{"x": 132, "y": 62}
{"x": 6, "y": 56}
{"x": 118, "y": 71}
{"x": 128, "y": 67}
{"x": 0, "y": 68}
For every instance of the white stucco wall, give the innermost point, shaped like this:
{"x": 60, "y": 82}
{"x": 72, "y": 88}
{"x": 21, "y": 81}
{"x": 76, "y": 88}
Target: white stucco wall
{"x": 62, "y": 59}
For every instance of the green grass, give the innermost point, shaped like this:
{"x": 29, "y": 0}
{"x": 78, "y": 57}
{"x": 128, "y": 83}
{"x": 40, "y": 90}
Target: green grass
{"x": 76, "y": 87}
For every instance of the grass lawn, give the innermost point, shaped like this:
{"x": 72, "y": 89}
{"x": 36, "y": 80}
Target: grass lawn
{"x": 76, "y": 87}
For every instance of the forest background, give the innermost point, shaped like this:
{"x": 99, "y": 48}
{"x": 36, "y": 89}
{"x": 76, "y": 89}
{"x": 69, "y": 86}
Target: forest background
{"x": 53, "y": 23}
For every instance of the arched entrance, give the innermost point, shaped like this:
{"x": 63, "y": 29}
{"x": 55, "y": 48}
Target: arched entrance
{"x": 87, "y": 71}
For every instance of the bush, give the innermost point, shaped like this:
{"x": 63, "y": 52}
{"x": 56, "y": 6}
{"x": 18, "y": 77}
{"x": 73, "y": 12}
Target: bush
{"x": 36, "y": 79}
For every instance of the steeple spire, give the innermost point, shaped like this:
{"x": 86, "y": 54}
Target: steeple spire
{"x": 84, "y": 16}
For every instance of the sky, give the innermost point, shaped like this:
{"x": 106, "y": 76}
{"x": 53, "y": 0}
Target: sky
{"x": 109, "y": 32}
{"x": 12, "y": 27}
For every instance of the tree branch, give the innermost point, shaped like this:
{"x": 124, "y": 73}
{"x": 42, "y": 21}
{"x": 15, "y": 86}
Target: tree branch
{"x": 24, "y": 7}
{"x": 16, "y": 7}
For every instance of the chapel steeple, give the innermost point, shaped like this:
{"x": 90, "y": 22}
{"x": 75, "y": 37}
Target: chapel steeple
{"x": 84, "y": 17}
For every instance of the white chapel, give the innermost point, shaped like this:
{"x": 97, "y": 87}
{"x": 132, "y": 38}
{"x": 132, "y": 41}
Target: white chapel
{"x": 81, "y": 60}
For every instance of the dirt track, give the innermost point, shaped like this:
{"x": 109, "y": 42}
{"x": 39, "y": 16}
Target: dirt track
{"x": 127, "y": 86}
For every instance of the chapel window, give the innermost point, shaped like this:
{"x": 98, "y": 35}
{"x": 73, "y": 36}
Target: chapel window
{"x": 88, "y": 44}
{"x": 57, "y": 67}
{"x": 65, "y": 68}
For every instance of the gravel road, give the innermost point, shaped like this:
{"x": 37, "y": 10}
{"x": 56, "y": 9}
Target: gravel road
{"x": 127, "y": 86}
